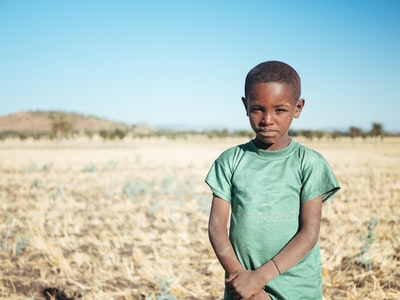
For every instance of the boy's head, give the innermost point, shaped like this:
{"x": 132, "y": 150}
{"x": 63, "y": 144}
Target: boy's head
{"x": 274, "y": 71}
{"x": 272, "y": 100}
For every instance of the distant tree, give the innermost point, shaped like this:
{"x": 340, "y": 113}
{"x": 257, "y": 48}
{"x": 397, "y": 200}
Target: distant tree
{"x": 36, "y": 136}
{"x": 336, "y": 134}
{"x": 223, "y": 133}
{"x": 377, "y": 130}
{"x": 61, "y": 128}
{"x": 308, "y": 134}
{"x": 293, "y": 132}
{"x": 22, "y": 136}
{"x": 243, "y": 133}
{"x": 112, "y": 134}
{"x": 119, "y": 133}
{"x": 104, "y": 134}
{"x": 355, "y": 132}
{"x": 319, "y": 134}
{"x": 89, "y": 134}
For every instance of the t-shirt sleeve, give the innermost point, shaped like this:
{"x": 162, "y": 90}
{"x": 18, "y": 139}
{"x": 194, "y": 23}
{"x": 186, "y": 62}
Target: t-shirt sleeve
{"x": 219, "y": 180}
{"x": 318, "y": 179}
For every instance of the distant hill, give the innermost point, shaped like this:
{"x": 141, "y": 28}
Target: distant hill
{"x": 37, "y": 122}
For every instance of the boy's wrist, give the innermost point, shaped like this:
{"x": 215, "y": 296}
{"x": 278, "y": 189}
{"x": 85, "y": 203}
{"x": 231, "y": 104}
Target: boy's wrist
{"x": 236, "y": 271}
{"x": 261, "y": 276}
{"x": 267, "y": 272}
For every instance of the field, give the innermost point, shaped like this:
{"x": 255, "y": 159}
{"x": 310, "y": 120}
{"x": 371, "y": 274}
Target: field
{"x": 128, "y": 219}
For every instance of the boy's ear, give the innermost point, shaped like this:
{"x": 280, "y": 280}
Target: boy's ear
{"x": 299, "y": 107}
{"x": 244, "y": 101}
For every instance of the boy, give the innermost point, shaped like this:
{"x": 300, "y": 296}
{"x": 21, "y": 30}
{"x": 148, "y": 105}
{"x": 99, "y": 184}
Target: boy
{"x": 272, "y": 190}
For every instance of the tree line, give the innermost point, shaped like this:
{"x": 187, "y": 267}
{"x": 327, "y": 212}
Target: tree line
{"x": 376, "y": 131}
{"x": 63, "y": 129}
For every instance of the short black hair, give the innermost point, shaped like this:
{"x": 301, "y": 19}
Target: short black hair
{"x": 271, "y": 71}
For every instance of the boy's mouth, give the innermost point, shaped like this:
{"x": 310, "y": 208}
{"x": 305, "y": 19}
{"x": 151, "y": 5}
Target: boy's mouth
{"x": 267, "y": 132}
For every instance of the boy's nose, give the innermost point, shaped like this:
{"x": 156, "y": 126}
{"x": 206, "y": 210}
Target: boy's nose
{"x": 267, "y": 118}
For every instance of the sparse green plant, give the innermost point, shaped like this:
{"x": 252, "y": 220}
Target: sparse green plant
{"x": 367, "y": 264}
{"x": 134, "y": 190}
{"x": 11, "y": 241}
{"x": 89, "y": 168}
{"x": 36, "y": 184}
{"x": 21, "y": 245}
{"x": 57, "y": 193}
{"x": 46, "y": 167}
{"x": 164, "y": 290}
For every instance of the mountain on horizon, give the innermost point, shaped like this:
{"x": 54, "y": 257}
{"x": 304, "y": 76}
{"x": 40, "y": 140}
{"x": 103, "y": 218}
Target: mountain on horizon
{"x": 37, "y": 122}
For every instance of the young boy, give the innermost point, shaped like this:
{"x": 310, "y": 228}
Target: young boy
{"x": 271, "y": 189}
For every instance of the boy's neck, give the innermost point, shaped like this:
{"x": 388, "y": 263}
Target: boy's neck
{"x": 272, "y": 146}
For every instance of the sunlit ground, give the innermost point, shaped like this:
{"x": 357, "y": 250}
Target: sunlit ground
{"x": 128, "y": 219}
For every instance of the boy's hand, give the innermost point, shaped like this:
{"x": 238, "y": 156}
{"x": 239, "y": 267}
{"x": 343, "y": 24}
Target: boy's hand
{"x": 245, "y": 284}
{"x": 262, "y": 295}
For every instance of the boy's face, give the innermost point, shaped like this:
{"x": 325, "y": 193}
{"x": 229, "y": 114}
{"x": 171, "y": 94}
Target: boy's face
{"x": 271, "y": 108}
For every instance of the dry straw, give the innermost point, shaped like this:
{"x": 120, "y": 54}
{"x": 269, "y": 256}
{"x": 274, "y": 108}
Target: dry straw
{"x": 129, "y": 221}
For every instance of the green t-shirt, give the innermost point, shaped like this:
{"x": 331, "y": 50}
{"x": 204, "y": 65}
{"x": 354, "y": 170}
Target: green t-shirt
{"x": 266, "y": 190}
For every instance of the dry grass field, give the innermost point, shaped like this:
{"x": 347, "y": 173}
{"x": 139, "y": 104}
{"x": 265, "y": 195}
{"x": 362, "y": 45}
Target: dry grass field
{"x": 128, "y": 219}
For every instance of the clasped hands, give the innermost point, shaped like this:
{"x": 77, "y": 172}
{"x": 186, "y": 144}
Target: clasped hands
{"x": 246, "y": 285}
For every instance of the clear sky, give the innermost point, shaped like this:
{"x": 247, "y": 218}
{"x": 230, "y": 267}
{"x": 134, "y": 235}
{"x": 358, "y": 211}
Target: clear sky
{"x": 184, "y": 62}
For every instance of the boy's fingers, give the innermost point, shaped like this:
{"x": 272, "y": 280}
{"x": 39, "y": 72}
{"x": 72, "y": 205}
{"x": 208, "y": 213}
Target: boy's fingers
{"x": 232, "y": 276}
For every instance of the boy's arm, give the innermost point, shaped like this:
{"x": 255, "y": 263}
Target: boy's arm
{"x": 247, "y": 283}
{"x": 305, "y": 239}
{"x": 218, "y": 235}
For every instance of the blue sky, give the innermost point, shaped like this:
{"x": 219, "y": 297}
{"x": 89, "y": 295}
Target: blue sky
{"x": 184, "y": 62}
